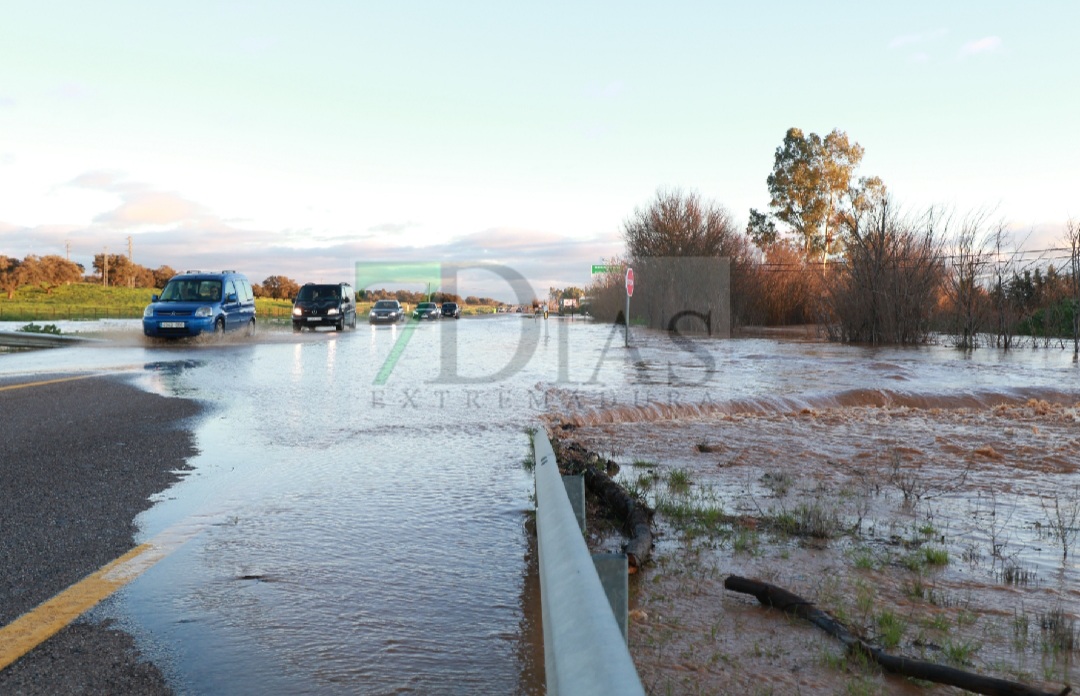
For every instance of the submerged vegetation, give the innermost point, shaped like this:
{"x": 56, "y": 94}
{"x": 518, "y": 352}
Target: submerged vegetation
{"x": 836, "y": 250}
{"x": 918, "y": 553}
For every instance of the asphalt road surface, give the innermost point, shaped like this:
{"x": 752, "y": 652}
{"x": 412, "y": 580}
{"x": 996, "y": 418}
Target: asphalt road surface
{"x": 79, "y": 459}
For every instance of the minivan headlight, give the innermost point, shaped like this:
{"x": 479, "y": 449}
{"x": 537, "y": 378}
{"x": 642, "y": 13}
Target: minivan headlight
{"x": 296, "y": 311}
{"x": 149, "y": 311}
{"x": 332, "y": 310}
{"x": 204, "y": 311}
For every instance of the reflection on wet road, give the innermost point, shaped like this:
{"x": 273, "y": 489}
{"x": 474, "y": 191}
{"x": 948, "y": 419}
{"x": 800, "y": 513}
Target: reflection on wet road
{"x": 367, "y": 536}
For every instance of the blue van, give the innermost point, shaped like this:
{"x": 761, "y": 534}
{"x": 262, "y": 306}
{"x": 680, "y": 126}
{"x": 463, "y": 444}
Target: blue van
{"x": 196, "y": 302}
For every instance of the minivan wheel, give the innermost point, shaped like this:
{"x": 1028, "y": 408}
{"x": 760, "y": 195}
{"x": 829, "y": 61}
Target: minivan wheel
{"x": 340, "y": 325}
{"x": 251, "y": 328}
{"x": 219, "y": 326}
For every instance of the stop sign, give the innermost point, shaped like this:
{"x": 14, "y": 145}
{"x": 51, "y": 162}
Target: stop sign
{"x": 629, "y": 282}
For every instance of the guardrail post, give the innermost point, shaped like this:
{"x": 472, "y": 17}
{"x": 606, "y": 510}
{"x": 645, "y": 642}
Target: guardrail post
{"x": 575, "y": 491}
{"x": 584, "y": 648}
{"x": 613, "y": 571}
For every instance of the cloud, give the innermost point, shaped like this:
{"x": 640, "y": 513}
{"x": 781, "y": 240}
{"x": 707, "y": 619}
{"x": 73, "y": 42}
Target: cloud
{"x": 7, "y": 102}
{"x": 151, "y": 208}
{"x": 97, "y": 179}
{"x": 392, "y": 227}
{"x": 139, "y": 204}
{"x": 987, "y": 44}
{"x": 917, "y": 38}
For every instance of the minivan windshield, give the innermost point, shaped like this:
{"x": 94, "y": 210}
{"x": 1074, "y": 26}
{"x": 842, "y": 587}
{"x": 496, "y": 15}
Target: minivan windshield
{"x": 191, "y": 290}
{"x": 310, "y": 293}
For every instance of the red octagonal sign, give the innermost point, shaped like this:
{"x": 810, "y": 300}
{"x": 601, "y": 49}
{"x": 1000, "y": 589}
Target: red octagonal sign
{"x": 629, "y": 282}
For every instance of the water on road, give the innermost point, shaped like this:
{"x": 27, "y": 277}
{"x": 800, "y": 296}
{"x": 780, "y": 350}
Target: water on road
{"x": 357, "y": 508}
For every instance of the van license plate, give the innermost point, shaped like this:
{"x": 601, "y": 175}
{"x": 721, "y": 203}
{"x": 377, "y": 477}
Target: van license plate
{"x": 172, "y": 324}
{"x": 313, "y": 318}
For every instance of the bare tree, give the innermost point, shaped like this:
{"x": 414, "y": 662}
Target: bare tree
{"x": 885, "y": 290}
{"x": 969, "y": 261}
{"x": 1004, "y": 303}
{"x": 672, "y": 243}
{"x": 1072, "y": 239}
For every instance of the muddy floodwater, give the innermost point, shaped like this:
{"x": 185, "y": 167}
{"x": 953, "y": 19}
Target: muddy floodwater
{"x": 355, "y": 520}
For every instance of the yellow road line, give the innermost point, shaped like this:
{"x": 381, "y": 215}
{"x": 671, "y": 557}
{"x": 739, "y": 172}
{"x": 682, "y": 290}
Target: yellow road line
{"x": 47, "y": 381}
{"x": 43, "y": 622}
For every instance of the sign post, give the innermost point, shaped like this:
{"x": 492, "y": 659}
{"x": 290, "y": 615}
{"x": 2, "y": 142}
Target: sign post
{"x": 629, "y": 293}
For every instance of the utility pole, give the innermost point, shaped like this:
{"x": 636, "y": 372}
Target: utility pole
{"x": 131, "y": 258}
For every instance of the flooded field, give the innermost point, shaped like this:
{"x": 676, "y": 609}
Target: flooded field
{"x": 929, "y": 500}
{"x": 356, "y": 517}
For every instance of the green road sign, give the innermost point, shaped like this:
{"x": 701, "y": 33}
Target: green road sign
{"x": 603, "y": 268}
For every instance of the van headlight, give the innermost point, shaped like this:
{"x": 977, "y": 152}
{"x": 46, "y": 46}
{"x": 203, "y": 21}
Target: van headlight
{"x": 149, "y": 311}
{"x": 296, "y": 311}
{"x": 332, "y": 310}
{"x": 204, "y": 311}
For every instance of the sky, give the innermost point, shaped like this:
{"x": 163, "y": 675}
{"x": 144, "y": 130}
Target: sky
{"x": 296, "y": 139}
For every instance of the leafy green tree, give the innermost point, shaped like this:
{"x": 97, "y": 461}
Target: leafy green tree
{"x": 811, "y": 186}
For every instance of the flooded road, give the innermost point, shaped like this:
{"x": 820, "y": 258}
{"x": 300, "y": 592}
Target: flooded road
{"x": 355, "y": 516}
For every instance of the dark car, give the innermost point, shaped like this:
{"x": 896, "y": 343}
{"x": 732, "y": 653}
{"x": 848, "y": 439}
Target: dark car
{"x": 426, "y": 310}
{"x": 451, "y": 309}
{"x": 196, "y": 302}
{"x": 324, "y": 305}
{"x": 386, "y": 312}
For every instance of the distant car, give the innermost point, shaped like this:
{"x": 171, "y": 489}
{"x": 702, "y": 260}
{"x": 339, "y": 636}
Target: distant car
{"x": 426, "y": 310}
{"x": 386, "y": 312}
{"x": 451, "y": 309}
{"x": 324, "y": 305}
{"x": 196, "y": 302}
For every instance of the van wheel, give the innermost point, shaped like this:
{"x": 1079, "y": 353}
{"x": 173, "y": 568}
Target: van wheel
{"x": 251, "y": 328}
{"x": 219, "y": 326}
{"x": 340, "y": 325}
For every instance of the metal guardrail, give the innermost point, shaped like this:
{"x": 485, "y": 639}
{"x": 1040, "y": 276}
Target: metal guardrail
{"x": 584, "y": 648}
{"x": 28, "y": 339}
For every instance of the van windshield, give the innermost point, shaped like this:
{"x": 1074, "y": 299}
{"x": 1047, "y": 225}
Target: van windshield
{"x": 309, "y": 293}
{"x": 191, "y": 290}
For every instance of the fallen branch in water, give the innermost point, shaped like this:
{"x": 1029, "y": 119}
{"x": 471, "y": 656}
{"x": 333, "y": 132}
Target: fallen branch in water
{"x": 635, "y": 514}
{"x": 773, "y": 596}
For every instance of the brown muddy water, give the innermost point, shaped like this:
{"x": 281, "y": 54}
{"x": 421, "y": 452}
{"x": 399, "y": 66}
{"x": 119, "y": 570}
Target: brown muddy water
{"x": 924, "y": 497}
{"x": 358, "y": 511}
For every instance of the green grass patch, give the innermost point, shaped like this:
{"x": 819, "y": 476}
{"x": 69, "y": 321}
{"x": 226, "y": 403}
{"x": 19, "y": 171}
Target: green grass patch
{"x": 75, "y": 301}
{"x": 890, "y": 629}
{"x": 678, "y": 481}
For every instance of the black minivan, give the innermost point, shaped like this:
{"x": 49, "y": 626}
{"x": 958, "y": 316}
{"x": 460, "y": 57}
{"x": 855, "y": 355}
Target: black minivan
{"x": 320, "y": 304}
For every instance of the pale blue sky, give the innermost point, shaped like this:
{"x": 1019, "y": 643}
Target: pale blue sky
{"x": 297, "y": 138}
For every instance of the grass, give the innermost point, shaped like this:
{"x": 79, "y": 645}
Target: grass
{"x": 678, "y": 481}
{"x": 1059, "y": 632}
{"x": 816, "y": 520}
{"x": 959, "y": 652}
{"x": 75, "y": 301}
{"x": 890, "y": 629}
